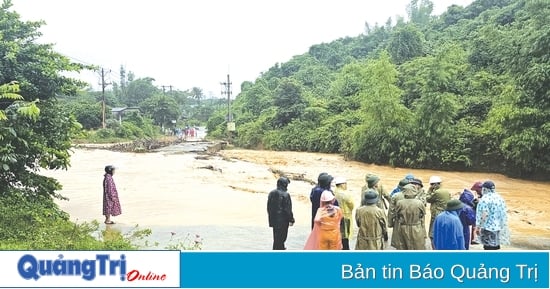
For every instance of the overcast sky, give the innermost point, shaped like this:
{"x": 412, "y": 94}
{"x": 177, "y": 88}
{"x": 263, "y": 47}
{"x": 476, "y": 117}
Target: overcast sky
{"x": 186, "y": 43}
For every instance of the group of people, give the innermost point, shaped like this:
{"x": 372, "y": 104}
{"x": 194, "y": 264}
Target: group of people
{"x": 185, "y": 133}
{"x": 472, "y": 218}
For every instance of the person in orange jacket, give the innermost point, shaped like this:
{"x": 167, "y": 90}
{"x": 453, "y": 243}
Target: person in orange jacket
{"x": 326, "y": 231}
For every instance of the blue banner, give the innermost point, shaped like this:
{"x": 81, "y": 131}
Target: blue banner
{"x": 354, "y": 269}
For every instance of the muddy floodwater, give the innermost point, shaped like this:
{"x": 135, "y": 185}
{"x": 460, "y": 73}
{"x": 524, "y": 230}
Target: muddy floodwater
{"x": 178, "y": 191}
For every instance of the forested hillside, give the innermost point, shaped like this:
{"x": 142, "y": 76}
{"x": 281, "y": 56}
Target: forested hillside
{"x": 465, "y": 90}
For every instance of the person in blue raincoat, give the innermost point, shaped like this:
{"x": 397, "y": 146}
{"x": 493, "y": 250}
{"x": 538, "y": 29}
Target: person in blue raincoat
{"x": 467, "y": 215}
{"x": 447, "y": 230}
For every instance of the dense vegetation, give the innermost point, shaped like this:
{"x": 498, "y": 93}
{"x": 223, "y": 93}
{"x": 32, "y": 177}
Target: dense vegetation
{"x": 153, "y": 110}
{"x": 36, "y": 133}
{"x": 43, "y": 111}
{"x": 466, "y": 90}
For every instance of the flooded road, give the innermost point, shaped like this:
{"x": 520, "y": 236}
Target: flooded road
{"x": 178, "y": 192}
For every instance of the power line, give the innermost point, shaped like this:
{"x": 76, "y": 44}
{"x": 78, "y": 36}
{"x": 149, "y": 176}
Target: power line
{"x": 171, "y": 87}
{"x": 78, "y": 60}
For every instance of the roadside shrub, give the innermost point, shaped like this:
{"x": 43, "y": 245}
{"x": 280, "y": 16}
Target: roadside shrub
{"x": 105, "y": 133}
{"x": 37, "y": 223}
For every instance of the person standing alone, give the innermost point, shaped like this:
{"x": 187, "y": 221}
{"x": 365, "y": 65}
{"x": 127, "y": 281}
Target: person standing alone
{"x": 111, "y": 203}
{"x": 279, "y": 210}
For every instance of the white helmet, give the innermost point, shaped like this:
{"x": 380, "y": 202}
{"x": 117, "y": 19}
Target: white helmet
{"x": 339, "y": 180}
{"x": 435, "y": 179}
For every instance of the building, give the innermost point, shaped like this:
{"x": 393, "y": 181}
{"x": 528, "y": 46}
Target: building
{"x": 119, "y": 111}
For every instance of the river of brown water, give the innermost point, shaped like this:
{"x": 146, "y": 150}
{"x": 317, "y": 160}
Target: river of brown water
{"x": 223, "y": 197}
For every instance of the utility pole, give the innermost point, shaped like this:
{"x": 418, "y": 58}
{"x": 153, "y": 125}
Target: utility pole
{"x": 103, "y": 85}
{"x": 164, "y": 88}
{"x": 227, "y": 90}
{"x": 164, "y": 99}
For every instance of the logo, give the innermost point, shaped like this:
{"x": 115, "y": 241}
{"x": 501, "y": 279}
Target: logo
{"x": 29, "y": 267}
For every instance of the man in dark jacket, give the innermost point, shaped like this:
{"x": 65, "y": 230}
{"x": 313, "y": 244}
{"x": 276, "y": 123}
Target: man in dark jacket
{"x": 279, "y": 210}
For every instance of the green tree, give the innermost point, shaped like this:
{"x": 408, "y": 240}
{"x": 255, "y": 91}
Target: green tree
{"x": 406, "y": 43}
{"x": 254, "y": 99}
{"x": 197, "y": 94}
{"x": 437, "y": 108}
{"x": 140, "y": 90}
{"x": 10, "y": 92}
{"x": 420, "y": 11}
{"x": 520, "y": 118}
{"x": 385, "y": 122}
{"x": 289, "y": 101}
{"x": 43, "y": 141}
{"x": 161, "y": 108}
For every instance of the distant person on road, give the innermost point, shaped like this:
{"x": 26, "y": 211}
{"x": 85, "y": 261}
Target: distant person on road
{"x": 111, "y": 203}
{"x": 491, "y": 218}
{"x": 447, "y": 230}
{"x": 279, "y": 210}
{"x": 371, "y": 221}
{"x": 345, "y": 202}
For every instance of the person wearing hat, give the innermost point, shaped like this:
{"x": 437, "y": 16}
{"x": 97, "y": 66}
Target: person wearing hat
{"x": 420, "y": 189}
{"x": 438, "y": 199}
{"x": 347, "y": 205}
{"x": 476, "y": 187}
{"x": 467, "y": 216}
{"x": 392, "y": 219}
{"x": 373, "y": 182}
{"x": 408, "y": 178}
{"x": 447, "y": 230}
{"x": 371, "y": 221}
{"x": 491, "y": 218}
{"x": 409, "y": 231}
{"x": 326, "y": 231}
{"x": 323, "y": 183}
{"x": 279, "y": 211}
{"x": 417, "y": 183}
{"x": 111, "y": 203}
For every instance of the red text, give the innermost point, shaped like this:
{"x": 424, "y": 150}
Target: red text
{"x": 134, "y": 275}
